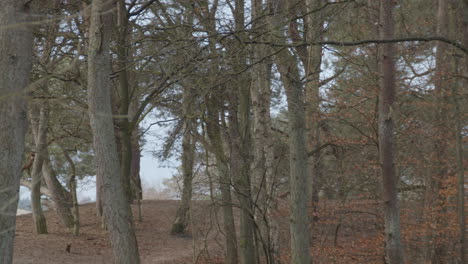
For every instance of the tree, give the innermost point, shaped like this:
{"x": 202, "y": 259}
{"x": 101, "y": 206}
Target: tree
{"x": 16, "y": 41}
{"x": 181, "y": 222}
{"x": 40, "y": 126}
{"x": 298, "y": 178}
{"x": 117, "y": 211}
{"x": 393, "y": 245}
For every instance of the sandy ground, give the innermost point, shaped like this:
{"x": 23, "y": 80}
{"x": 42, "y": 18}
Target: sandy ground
{"x": 155, "y": 243}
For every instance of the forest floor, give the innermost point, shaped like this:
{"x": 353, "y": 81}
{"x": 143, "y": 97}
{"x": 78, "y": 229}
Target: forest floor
{"x": 156, "y": 244}
{"x": 350, "y": 233}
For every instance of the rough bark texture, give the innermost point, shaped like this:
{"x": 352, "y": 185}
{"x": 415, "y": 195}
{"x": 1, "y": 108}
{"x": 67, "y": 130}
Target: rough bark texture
{"x": 39, "y": 122}
{"x": 15, "y": 67}
{"x": 299, "y": 180}
{"x": 393, "y": 245}
{"x": 117, "y": 211}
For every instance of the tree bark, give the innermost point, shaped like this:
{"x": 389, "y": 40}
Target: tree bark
{"x": 436, "y": 248}
{"x": 125, "y": 129}
{"x": 460, "y": 169}
{"x": 263, "y": 182}
{"x": 72, "y": 188}
{"x": 59, "y": 195}
{"x": 459, "y": 166}
{"x": 40, "y": 126}
{"x": 117, "y": 211}
{"x": 393, "y": 244}
{"x": 182, "y": 218}
{"x": 239, "y": 135}
{"x": 214, "y": 135}
{"x": 312, "y": 92}
{"x": 16, "y": 44}
{"x": 240, "y": 140}
{"x": 299, "y": 180}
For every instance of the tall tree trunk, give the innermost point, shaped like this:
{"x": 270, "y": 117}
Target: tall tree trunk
{"x": 15, "y": 68}
{"x": 298, "y": 179}
{"x": 117, "y": 211}
{"x": 182, "y": 217}
{"x": 239, "y": 134}
{"x": 125, "y": 130}
{"x": 40, "y": 126}
{"x": 459, "y": 166}
{"x": 135, "y": 172}
{"x": 393, "y": 244}
{"x": 460, "y": 169}
{"x": 312, "y": 93}
{"x": 436, "y": 251}
{"x": 240, "y": 143}
{"x": 214, "y": 135}
{"x": 262, "y": 170}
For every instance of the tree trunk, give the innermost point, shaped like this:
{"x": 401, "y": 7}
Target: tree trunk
{"x": 239, "y": 135}
{"x": 125, "y": 129}
{"x": 393, "y": 245}
{"x": 437, "y": 251}
{"x": 72, "y": 187}
{"x": 59, "y": 195}
{"x": 312, "y": 93}
{"x": 240, "y": 139}
{"x": 135, "y": 172}
{"x": 214, "y": 135}
{"x": 459, "y": 167}
{"x": 262, "y": 170}
{"x": 182, "y": 218}
{"x": 40, "y": 126}
{"x": 298, "y": 179}
{"x": 117, "y": 211}
{"x": 15, "y": 68}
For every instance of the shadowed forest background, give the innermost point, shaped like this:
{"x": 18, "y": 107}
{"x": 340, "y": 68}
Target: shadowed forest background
{"x": 303, "y": 131}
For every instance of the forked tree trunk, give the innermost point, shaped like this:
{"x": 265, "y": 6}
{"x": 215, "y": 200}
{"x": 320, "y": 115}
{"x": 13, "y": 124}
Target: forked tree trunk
{"x": 40, "y": 125}
{"x": 117, "y": 211}
{"x": 59, "y": 195}
{"x": 15, "y": 68}
{"x": 393, "y": 245}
